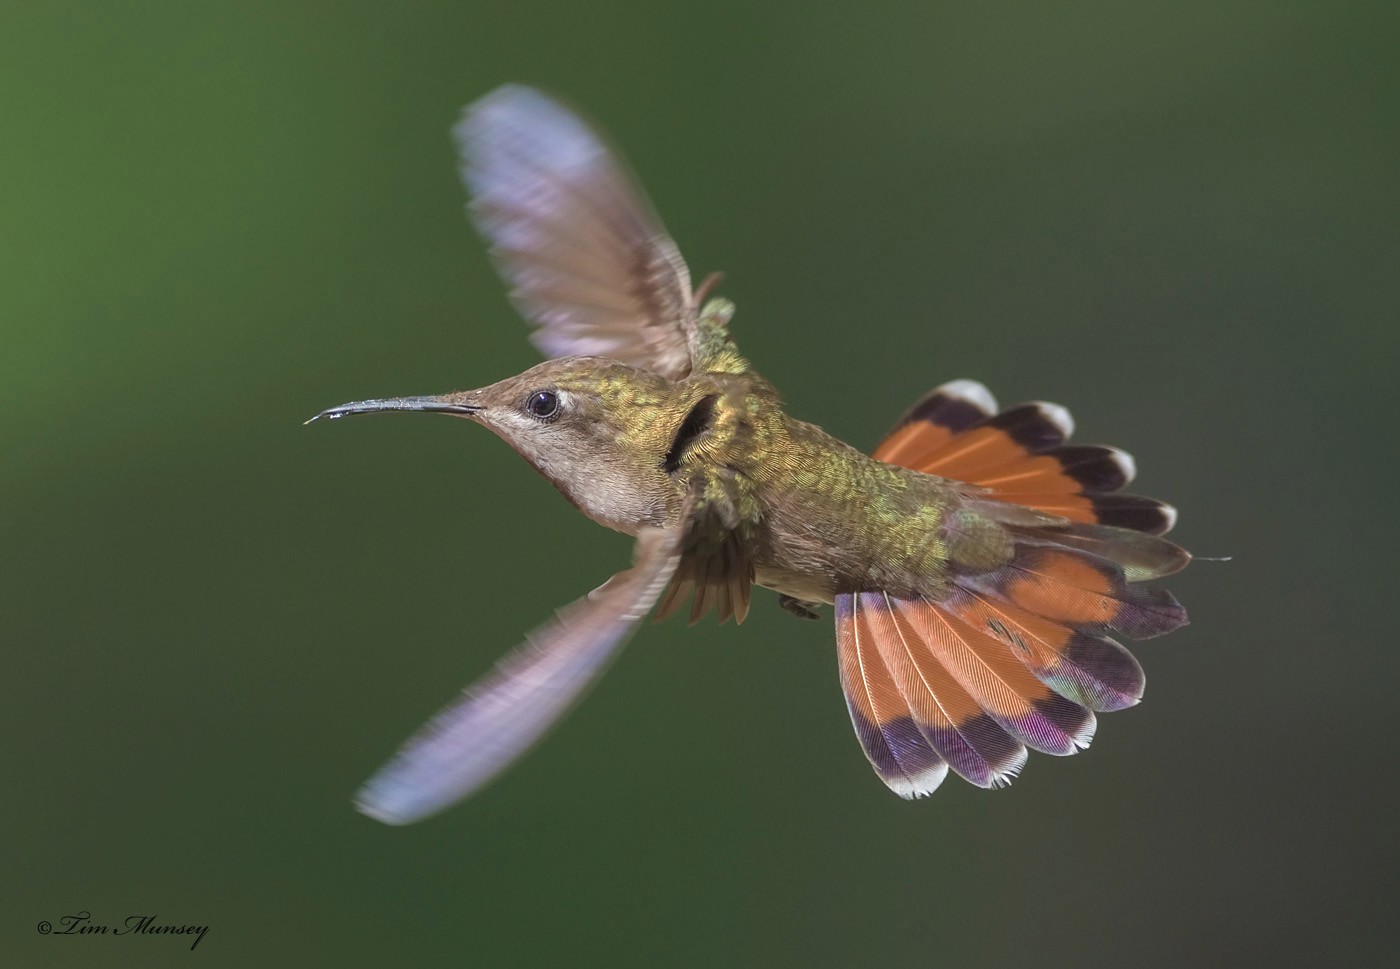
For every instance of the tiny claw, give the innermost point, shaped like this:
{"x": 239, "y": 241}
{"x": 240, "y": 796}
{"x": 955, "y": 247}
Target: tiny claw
{"x": 799, "y": 608}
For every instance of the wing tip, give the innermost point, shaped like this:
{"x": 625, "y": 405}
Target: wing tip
{"x": 515, "y": 118}
{"x": 505, "y": 100}
{"x": 388, "y": 803}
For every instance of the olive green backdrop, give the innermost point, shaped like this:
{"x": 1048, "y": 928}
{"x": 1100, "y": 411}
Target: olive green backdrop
{"x": 217, "y": 218}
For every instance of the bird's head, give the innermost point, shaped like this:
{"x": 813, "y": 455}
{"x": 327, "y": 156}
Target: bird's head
{"x": 604, "y": 433}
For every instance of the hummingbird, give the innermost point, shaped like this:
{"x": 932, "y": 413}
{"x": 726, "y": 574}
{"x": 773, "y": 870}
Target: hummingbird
{"x": 979, "y": 566}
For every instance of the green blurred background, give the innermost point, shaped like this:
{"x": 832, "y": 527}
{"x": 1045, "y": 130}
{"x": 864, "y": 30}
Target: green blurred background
{"x": 1177, "y": 219}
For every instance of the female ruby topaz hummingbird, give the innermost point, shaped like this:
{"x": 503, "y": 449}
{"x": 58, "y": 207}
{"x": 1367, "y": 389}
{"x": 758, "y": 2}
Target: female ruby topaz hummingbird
{"x": 979, "y": 566}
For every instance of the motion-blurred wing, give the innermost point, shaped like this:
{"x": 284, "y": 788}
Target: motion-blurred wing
{"x": 500, "y": 717}
{"x": 587, "y": 259}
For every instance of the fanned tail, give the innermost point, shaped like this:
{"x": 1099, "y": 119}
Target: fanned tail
{"x": 913, "y": 720}
{"x": 1020, "y": 457}
{"x": 1019, "y": 654}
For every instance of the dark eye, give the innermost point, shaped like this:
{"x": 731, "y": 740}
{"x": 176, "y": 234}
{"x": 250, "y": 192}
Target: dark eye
{"x": 543, "y": 404}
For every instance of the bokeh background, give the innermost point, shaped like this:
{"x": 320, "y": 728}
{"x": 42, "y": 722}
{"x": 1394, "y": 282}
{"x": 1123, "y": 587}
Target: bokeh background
{"x": 1177, "y": 219}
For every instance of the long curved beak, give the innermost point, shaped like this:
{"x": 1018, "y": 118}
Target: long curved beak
{"x": 458, "y": 404}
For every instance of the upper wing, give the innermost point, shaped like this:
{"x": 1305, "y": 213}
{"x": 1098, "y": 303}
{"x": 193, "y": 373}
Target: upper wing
{"x": 501, "y": 716}
{"x": 586, "y": 257}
